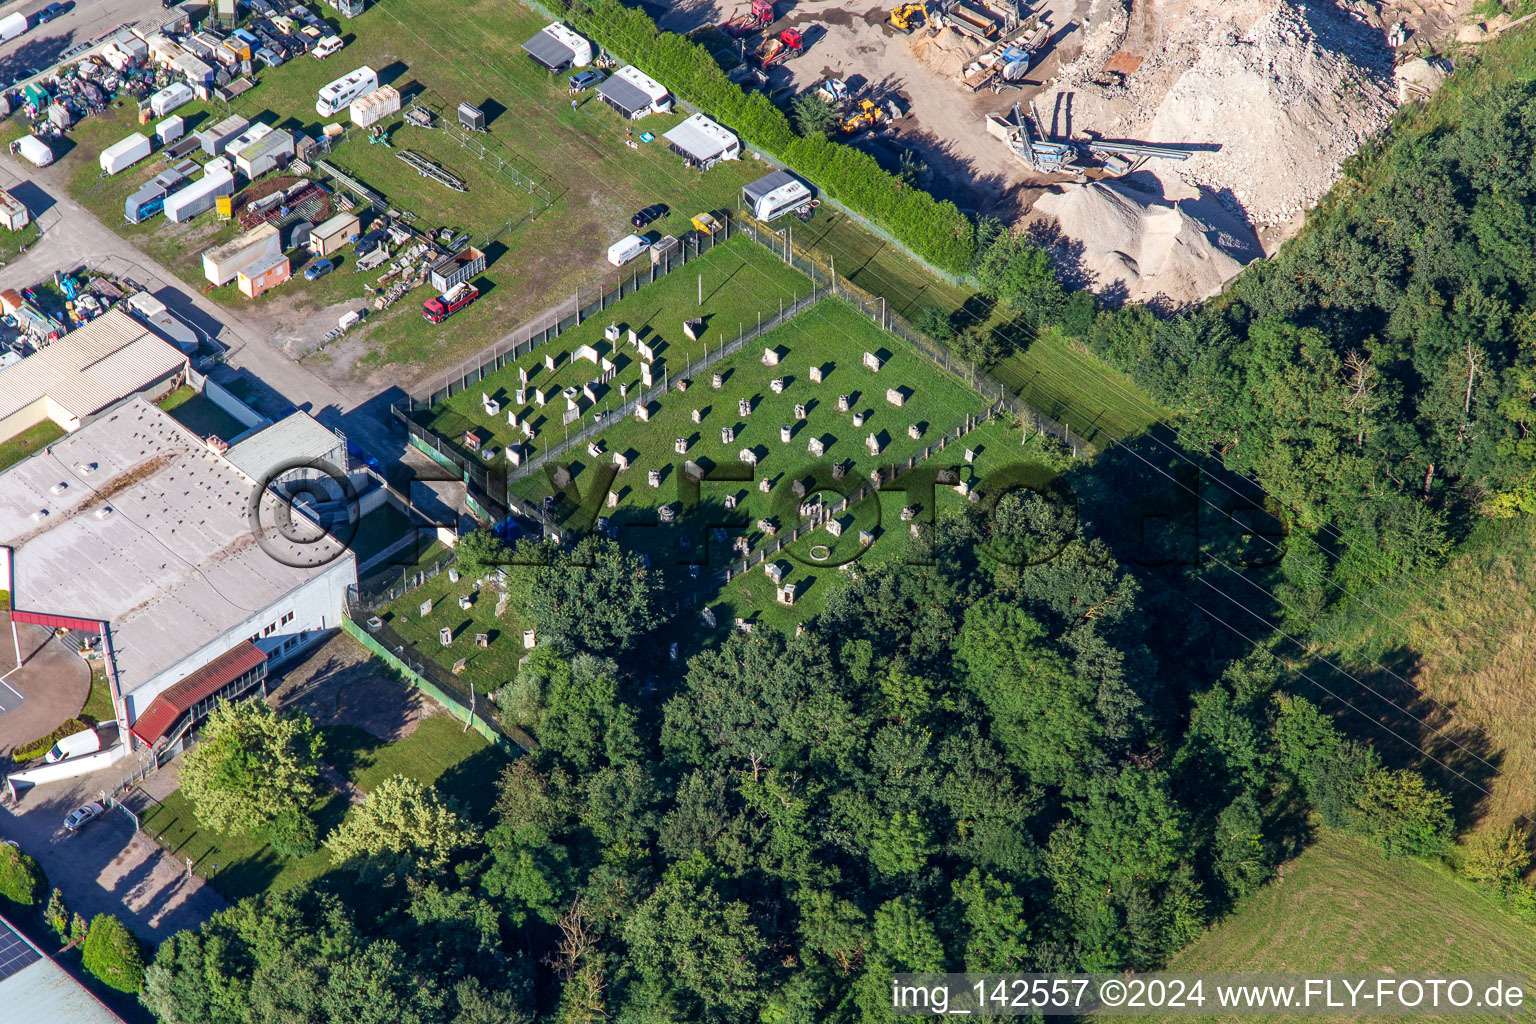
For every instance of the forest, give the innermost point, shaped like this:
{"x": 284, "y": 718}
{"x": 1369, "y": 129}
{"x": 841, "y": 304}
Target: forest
{"x": 993, "y": 762}
{"x": 1018, "y": 750}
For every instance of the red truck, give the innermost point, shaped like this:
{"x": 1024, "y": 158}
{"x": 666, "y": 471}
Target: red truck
{"x": 441, "y": 307}
{"x": 780, "y": 48}
{"x": 759, "y": 17}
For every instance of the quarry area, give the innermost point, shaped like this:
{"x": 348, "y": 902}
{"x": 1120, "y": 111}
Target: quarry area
{"x": 1156, "y": 145}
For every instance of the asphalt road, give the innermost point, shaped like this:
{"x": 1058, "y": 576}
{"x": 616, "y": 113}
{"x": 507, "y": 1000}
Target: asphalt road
{"x": 42, "y": 45}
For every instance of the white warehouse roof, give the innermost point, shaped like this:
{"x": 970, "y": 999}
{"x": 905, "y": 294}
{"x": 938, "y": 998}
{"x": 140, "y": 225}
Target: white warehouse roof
{"x": 88, "y": 369}
{"x": 35, "y": 988}
{"x": 163, "y": 525}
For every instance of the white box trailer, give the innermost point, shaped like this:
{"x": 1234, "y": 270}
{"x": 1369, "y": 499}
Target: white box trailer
{"x": 35, "y": 150}
{"x": 124, "y": 153}
{"x": 170, "y": 98}
{"x": 12, "y": 25}
{"x": 171, "y": 129}
{"x": 338, "y": 95}
{"x": 199, "y": 196}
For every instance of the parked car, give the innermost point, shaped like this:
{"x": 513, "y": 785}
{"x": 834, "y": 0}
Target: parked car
{"x": 318, "y": 269}
{"x": 270, "y": 58}
{"x": 650, "y": 213}
{"x": 584, "y": 80}
{"x": 82, "y": 815}
{"x": 48, "y": 13}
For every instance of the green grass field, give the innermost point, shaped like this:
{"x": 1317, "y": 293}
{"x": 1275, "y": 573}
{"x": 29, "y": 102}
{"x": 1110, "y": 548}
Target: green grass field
{"x": 1340, "y": 907}
{"x": 1065, "y": 381}
{"x": 739, "y": 281}
{"x": 486, "y": 669}
{"x": 438, "y": 753}
{"x": 28, "y": 442}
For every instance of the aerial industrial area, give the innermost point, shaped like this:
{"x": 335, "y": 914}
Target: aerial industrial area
{"x": 291, "y": 298}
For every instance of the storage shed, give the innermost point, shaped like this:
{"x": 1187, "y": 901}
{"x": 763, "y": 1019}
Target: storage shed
{"x": 329, "y": 236}
{"x": 252, "y": 135}
{"x": 375, "y": 107}
{"x": 263, "y": 275}
{"x": 634, "y": 94}
{"x": 271, "y": 151}
{"x": 223, "y": 263}
{"x": 170, "y": 98}
{"x": 463, "y": 266}
{"x": 558, "y": 48}
{"x": 217, "y": 138}
{"x": 13, "y": 212}
{"x": 702, "y": 142}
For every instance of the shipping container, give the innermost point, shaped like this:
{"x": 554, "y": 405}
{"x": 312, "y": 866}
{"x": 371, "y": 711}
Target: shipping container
{"x": 125, "y": 153}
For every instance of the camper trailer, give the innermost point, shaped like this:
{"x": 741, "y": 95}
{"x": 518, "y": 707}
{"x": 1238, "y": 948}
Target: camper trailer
{"x": 339, "y": 94}
{"x": 775, "y": 194}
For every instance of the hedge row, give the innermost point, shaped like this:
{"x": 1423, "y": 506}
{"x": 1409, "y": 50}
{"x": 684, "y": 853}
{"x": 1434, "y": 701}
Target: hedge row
{"x": 39, "y": 747}
{"x": 936, "y": 231}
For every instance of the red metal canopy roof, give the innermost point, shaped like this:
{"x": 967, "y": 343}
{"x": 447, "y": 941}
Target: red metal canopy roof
{"x": 165, "y": 709}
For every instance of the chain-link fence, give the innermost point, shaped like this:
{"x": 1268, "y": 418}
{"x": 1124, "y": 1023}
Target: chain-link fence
{"x": 574, "y": 312}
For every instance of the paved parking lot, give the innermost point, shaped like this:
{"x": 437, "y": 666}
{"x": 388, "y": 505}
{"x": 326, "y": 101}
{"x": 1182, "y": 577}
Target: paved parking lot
{"x": 50, "y": 687}
{"x": 106, "y": 867}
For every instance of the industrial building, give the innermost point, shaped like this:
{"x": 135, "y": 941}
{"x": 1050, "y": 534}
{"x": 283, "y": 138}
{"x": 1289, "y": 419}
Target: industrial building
{"x": 558, "y": 48}
{"x": 85, "y": 371}
{"x": 181, "y": 587}
{"x": 33, "y": 987}
{"x": 634, "y": 94}
{"x": 221, "y": 264}
{"x": 702, "y": 142}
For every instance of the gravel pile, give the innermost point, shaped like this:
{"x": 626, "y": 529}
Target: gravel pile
{"x": 1278, "y": 93}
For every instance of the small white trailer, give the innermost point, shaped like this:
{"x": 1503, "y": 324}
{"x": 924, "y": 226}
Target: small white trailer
{"x": 124, "y": 153}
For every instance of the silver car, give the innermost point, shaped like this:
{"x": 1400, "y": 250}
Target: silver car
{"x": 78, "y": 817}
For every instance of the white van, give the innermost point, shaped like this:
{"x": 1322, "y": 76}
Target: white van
{"x": 325, "y": 47}
{"x": 87, "y": 742}
{"x": 626, "y": 249}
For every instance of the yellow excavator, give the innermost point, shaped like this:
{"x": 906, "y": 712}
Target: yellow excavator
{"x": 906, "y": 17}
{"x": 866, "y": 114}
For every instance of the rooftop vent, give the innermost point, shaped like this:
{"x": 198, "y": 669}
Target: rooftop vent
{"x": 40, "y": 515}
{"x": 85, "y": 467}
{"x": 104, "y": 511}
{"x": 59, "y": 488}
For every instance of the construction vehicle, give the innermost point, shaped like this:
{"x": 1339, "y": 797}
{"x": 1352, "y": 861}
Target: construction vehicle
{"x": 867, "y": 114}
{"x": 835, "y": 91}
{"x": 908, "y": 16}
{"x": 759, "y": 17}
{"x": 439, "y": 308}
{"x": 1032, "y": 143}
{"x": 787, "y": 45}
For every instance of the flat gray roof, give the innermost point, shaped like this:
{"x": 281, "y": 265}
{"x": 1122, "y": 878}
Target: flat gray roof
{"x": 132, "y": 520}
{"x": 625, "y": 94}
{"x": 549, "y": 51}
{"x": 296, "y": 436}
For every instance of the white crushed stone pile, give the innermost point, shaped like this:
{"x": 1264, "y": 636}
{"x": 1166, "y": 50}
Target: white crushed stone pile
{"x": 1282, "y": 91}
{"x": 1152, "y": 245}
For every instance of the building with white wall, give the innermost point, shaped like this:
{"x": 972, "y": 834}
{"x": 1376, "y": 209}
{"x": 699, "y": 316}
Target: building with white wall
{"x": 135, "y": 530}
